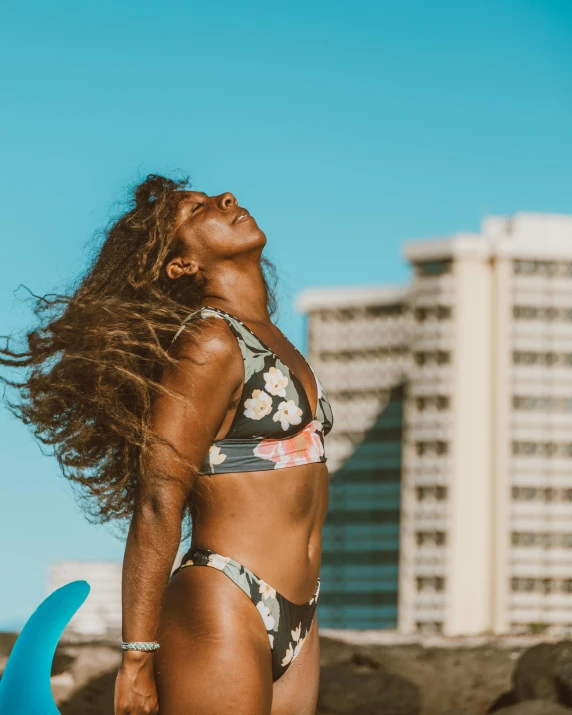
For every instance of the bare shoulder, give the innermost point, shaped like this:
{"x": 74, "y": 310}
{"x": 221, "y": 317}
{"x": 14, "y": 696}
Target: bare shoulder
{"x": 207, "y": 346}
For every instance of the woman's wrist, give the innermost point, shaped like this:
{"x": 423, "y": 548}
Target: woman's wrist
{"x": 135, "y": 663}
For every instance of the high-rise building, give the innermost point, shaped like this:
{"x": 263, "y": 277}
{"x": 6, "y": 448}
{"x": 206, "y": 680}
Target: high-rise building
{"x": 484, "y": 490}
{"x": 358, "y": 345}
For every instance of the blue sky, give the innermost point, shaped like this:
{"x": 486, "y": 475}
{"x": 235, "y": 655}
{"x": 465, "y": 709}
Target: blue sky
{"x": 344, "y": 127}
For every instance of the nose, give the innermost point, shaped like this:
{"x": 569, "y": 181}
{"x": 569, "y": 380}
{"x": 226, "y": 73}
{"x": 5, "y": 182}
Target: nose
{"x": 227, "y": 200}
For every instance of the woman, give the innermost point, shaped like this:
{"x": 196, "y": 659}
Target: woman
{"x": 166, "y": 390}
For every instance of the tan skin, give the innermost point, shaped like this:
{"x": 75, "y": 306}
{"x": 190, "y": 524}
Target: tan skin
{"x": 215, "y": 655}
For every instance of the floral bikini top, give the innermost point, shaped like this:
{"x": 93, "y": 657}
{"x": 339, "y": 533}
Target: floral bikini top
{"x": 273, "y": 426}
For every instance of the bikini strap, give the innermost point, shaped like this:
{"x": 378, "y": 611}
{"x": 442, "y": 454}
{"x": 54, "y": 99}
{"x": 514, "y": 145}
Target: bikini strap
{"x": 232, "y": 323}
{"x": 184, "y": 323}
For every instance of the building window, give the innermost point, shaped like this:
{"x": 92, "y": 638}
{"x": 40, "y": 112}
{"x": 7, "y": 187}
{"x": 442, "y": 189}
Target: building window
{"x": 432, "y": 357}
{"x": 432, "y": 312}
{"x": 433, "y": 268}
{"x": 420, "y": 314}
{"x": 430, "y": 584}
{"x": 430, "y": 538}
{"x": 441, "y": 447}
{"x": 542, "y": 268}
{"x": 440, "y": 402}
{"x": 429, "y": 627}
{"x": 432, "y": 448}
{"x": 431, "y": 493}
{"x": 544, "y": 313}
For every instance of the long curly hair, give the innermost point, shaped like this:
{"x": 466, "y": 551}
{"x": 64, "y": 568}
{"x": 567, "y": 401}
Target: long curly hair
{"x": 92, "y": 363}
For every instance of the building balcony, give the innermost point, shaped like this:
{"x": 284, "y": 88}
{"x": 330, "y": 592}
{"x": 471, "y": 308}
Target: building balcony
{"x": 429, "y": 424}
{"x": 540, "y": 513}
{"x": 542, "y": 426}
{"x": 358, "y": 334}
{"x": 432, "y": 336}
{"x": 362, "y": 375}
{"x": 539, "y": 614}
{"x": 429, "y": 601}
{"x": 429, "y": 290}
{"x": 538, "y": 518}
{"x": 525, "y": 376}
{"x": 538, "y": 563}
{"x": 543, "y": 290}
{"x": 541, "y": 601}
{"x": 542, "y": 332}
{"x": 429, "y": 615}
{"x": 430, "y": 522}
{"x": 545, "y": 468}
{"x": 429, "y": 560}
{"x": 430, "y": 512}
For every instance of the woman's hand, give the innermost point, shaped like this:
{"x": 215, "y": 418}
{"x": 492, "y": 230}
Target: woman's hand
{"x": 135, "y": 688}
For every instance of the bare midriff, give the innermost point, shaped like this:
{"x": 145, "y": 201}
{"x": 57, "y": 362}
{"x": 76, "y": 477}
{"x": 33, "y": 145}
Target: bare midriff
{"x": 270, "y": 521}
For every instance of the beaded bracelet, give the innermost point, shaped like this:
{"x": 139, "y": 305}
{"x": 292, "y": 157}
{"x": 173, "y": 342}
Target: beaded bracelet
{"x": 139, "y": 645}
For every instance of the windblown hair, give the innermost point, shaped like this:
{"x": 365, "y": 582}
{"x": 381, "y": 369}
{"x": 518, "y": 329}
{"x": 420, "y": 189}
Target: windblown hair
{"x": 93, "y": 362}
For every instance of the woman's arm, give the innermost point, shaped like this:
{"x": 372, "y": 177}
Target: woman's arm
{"x": 208, "y": 373}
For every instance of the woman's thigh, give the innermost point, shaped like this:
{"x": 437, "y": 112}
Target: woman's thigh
{"x": 215, "y": 655}
{"x": 296, "y": 692}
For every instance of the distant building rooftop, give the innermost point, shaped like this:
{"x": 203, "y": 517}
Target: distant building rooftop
{"x": 528, "y": 235}
{"x": 348, "y": 296}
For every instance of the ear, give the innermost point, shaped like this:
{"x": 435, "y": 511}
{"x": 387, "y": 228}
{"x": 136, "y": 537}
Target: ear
{"x": 179, "y": 266}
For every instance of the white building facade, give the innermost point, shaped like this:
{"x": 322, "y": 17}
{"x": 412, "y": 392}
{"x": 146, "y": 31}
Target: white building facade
{"x": 100, "y": 615}
{"x": 485, "y": 542}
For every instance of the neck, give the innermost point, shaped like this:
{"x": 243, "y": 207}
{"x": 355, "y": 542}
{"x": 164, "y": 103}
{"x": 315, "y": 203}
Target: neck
{"x": 239, "y": 290}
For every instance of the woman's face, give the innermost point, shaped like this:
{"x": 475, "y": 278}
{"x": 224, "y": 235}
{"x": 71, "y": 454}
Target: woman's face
{"x": 212, "y": 228}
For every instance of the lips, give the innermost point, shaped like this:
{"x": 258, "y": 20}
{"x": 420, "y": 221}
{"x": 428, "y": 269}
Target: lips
{"x": 242, "y": 215}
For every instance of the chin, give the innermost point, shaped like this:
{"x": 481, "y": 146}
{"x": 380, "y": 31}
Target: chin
{"x": 257, "y": 238}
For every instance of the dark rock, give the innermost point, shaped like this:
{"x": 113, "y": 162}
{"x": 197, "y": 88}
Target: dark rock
{"x": 563, "y": 671}
{"x": 535, "y": 707}
{"x": 503, "y": 701}
{"x": 95, "y": 698}
{"x": 62, "y": 662}
{"x": 544, "y": 672}
{"x": 362, "y": 687}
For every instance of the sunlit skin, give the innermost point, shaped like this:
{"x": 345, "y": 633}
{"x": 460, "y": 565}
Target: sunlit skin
{"x": 215, "y": 654}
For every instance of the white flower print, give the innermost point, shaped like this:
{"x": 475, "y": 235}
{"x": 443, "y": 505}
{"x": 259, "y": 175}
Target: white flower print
{"x": 288, "y": 413}
{"x": 269, "y": 621}
{"x": 271, "y": 639}
{"x": 189, "y": 562}
{"x": 276, "y": 382}
{"x": 296, "y": 634}
{"x": 217, "y": 561}
{"x": 297, "y": 648}
{"x": 212, "y": 314}
{"x": 266, "y": 590}
{"x": 288, "y": 656}
{"x": 318, "y": 383}
{"x": 216, "y": 456}
{"x": 315, "y": 596}
{"x": 259, "y": 405}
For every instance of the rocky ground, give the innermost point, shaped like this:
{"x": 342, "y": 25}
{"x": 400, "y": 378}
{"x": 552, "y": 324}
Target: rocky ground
{"x": 374, "y": 673}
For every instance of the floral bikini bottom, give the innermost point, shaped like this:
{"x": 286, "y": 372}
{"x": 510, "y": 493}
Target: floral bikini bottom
{"x": 286, "y": 623}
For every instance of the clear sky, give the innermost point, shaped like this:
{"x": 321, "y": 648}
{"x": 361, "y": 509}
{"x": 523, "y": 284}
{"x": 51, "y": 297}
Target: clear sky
{"x": 344, "y": 127}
